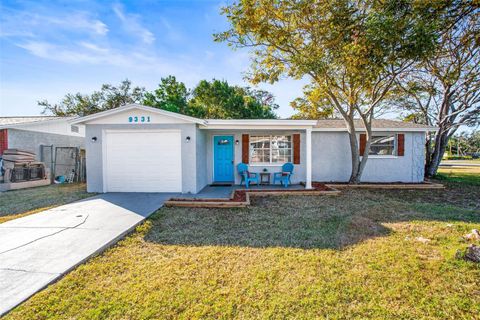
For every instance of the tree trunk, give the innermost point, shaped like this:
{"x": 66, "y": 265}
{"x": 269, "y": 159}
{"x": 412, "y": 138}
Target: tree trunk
{"x": 441, "y": 137}
{"x": 441, "y": 142}
{"x": 355, "y": 174}
{"x": 365, "y": 154}
{"x": 428, "y": 151}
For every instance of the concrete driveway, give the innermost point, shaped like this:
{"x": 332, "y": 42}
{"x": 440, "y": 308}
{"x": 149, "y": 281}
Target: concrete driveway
{"x": 38, "y": 249}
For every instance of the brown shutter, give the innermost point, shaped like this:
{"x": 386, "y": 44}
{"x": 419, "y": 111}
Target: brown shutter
{"x": 363, "y": 142}
{"x": 401, "y": 144}
{"x": 3, "y": 140}
{"x": 245, "y": 148}
{"x": 296, "y": 148}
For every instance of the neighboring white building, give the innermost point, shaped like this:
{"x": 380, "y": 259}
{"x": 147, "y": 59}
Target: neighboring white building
{"x": 32, "y": 132}
{"x": 136, "y": 148}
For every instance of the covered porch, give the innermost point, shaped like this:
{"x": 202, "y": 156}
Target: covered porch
{"x": 239, "y": 197}
{"x": 264, "y": 147}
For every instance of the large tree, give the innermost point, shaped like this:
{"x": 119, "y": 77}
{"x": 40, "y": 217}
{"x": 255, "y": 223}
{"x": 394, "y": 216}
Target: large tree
{"x": 313, "y": 105}
{"x": 218, "y": 100}
{"x": 171, "y": 95}
{"x": 465, "y": 144}
{"x": 444, "y": 90}
{"x": 352, "y": 51}
{"x": 109, "y": 97}
{"x": 214, "y": 99}
{"x": 209, "y": 99}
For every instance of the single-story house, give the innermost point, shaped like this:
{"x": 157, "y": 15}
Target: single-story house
{"x": 32, "y": 132}
{"x": 137, "y": 148}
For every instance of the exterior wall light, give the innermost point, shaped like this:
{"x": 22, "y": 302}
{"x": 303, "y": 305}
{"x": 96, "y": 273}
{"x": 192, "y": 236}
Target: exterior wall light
{"x": 188, "y": 139}
{"x": 94, "y": 139}
{"x": 237, "y": 142}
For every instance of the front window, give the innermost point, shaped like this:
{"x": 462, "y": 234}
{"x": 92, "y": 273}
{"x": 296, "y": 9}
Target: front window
{"x": 383, "y": 145}
{"x": 268, "y": 149}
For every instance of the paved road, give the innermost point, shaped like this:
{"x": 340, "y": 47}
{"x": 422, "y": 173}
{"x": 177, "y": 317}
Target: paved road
{"x": 459, "y": 163}
{"x": 38, "y": 249}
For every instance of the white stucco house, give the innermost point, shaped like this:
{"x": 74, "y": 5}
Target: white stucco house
{"x": 136, "y": 148}
{"x": 32, "y": 132}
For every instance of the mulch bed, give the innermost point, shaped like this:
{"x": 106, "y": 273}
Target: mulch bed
{"x": 320, "y": 186}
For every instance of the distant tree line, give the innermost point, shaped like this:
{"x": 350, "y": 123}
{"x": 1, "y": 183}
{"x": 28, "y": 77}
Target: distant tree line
{"x": 465, "y": 145}
{"x": 214, "y": 99}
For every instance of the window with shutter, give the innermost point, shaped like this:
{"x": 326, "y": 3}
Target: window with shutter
{"x": 270, "y": 149}
{"x": 245, "y": 148}
{"x": 296, "y": 148}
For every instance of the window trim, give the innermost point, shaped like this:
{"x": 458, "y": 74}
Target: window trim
{"x": 279, "y": 164}
{"x": 385, "y": 156}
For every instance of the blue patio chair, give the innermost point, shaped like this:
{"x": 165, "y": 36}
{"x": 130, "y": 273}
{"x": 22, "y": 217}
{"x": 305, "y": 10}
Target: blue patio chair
{"x": 246, "y": 175}
{"x": 284, "y": 176}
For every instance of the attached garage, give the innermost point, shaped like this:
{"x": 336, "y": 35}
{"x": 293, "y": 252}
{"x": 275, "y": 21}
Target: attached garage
{"x": 136, "y": 148}
{"x": 142, "y": 161}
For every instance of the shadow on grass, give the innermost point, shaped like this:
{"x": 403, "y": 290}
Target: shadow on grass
{"x": 297, "y": 221}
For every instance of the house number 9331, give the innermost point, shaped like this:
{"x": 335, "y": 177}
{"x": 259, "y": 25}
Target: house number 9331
{"x": 134, "y": 119}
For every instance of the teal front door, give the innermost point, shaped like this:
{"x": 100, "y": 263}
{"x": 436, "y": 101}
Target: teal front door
{"x": 223, "y": 158}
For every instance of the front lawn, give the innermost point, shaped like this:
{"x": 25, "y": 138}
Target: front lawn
{"x": 18, "y": 203}
{"x": 364, "y": 254}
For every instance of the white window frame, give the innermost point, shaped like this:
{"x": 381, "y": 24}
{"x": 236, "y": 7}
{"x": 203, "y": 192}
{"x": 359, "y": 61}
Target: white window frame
{"x": 395, "y": 146}
{"x": 271, "y": 163}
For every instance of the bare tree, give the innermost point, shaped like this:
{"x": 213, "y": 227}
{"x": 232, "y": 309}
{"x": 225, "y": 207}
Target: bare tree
{"x": 444, "y": 91}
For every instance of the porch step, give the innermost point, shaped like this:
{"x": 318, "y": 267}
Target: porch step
{"x": 222, "y": 184}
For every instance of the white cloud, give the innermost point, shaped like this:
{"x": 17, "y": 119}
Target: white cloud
{"x": 30, "y": 24}
{"x": 131, "y": 23}
{"x": 93, "y": 47}
{"x": 130, "y": 61}
{"x": 75, "y": 21}
{"x": 80, "y": 21}
{"x": 85, "y": 53}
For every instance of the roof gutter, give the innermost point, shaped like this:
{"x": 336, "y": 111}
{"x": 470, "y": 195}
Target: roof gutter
{"x": 102, "y": 114}
{"x": 22, "y": 124}
{"x": 431, "y": 129}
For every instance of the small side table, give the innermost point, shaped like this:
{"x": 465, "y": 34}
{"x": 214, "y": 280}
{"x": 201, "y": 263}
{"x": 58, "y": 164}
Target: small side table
{"x": 264, "y": 178}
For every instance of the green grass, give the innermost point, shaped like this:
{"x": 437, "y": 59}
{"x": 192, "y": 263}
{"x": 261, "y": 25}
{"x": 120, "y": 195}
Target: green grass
{"x": 19, "y": 203}
{"x": 459, "y": 174}
{"x": 353, "y": 256}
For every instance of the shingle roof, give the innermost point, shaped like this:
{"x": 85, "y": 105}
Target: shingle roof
{"x": 376, "y": 124}
{"x": 6, "y": 121}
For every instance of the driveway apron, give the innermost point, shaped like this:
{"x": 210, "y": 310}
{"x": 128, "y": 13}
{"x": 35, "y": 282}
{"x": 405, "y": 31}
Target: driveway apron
{"x": 38, "y": 249}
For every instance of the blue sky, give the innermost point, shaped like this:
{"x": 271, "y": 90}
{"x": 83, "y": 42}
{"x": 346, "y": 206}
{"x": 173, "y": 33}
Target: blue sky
{"x": 50, "y": 48}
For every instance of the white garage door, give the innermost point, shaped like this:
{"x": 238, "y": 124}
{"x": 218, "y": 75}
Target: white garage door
{"x": 143, "y": 161}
